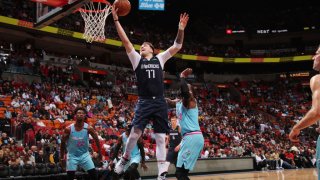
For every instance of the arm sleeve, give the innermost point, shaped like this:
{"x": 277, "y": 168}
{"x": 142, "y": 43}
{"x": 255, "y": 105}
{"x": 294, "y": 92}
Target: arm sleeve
{"x": 134, "y": 58}
{"x": 164, "y": 57}
{"x": 184, "y": 88}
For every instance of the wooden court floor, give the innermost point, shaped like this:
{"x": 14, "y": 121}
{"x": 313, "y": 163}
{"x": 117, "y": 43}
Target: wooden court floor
{"x": 292, "y": 174}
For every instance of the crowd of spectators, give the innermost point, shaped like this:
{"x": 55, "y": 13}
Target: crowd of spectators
{"x": 142, "y": 29}
{"x": 244, "y": 119}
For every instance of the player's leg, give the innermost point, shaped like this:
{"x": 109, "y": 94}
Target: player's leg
{"x": 88, "y": 165}
{"x": 182, "y": 173}
{"x": 171, "y": 159}
{"x": 132, "y": 172}
{"x": 132, "y": 141}
{"x": 72, "y": 163}
{"x": 135, "y": 134}
{"x": 168, "y": 161}
{"x": 161, "y": 128}
{"x": 161, "y": 152}
{"x": 180, "y": 170}
{"x": 140, "y": 120}
{"x": 135, "y": 161}
{"x": 190, "y": 150}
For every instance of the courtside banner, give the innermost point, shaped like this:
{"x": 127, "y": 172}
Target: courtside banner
{"x": 93, "y": 71}
{"x": 26, "y": 24}
{"x": 78, "y": 35}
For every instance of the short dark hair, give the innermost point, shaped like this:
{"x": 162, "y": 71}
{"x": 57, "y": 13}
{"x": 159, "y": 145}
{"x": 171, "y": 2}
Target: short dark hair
{"x": 78, "y": 109}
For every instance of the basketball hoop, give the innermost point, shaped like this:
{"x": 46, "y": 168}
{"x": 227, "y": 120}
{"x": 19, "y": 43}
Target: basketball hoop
{"x": 94, "y": 15}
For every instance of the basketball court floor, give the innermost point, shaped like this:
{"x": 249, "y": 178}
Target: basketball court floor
{"x": 293, "y": 174}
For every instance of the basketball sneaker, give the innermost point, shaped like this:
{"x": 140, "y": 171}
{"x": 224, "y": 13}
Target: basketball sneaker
{"x": 162, "y": 176}
{"x": 120, "y": 165}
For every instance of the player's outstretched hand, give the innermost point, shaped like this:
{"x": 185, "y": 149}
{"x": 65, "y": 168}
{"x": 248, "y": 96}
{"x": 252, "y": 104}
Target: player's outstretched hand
{"x": 114, "y": 11}
{"x": 293, "y": 136}
{"x": 144, "y": 166}
{"x": 184, "y": 18}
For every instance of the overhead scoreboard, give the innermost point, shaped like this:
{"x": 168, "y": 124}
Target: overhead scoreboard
{"x": 153, "y": 5}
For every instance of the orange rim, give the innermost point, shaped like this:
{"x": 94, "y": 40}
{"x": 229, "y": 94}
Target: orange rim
{"x": 94, "y": 11}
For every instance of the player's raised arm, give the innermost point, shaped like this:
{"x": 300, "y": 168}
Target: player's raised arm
{"x": 313, "y": 114}
{"x": 177, "y": 45}
{"x": 186, "y": 90}
{"x": 122, "y": 34}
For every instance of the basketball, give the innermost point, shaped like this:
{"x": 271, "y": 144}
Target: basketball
{"x": 123, "y": 7}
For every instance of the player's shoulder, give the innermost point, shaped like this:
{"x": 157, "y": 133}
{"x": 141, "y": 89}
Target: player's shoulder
{"x": 156, "y": 57}
{"x": 90, "y": 128}
{"x": 314, "y": 83}
{"x": 316, "y": 77}
{"x": 68, "y": 129}
{"x": 314, "y": 80}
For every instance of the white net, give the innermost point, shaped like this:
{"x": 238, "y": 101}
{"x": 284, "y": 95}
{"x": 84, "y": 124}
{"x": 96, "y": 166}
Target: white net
{"x": 94, "y": 15}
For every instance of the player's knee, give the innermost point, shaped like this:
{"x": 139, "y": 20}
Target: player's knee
{"x": 135, "y": 133}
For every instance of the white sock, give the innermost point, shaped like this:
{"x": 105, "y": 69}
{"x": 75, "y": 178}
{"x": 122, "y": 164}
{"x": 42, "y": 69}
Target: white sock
{"x": 161, "y": 152}
{"x": 167, "y": 166}
{"x": 162, "y": 167}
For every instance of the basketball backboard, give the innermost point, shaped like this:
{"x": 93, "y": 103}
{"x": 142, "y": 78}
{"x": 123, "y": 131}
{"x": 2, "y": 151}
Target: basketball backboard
{"x": 50, "y": 11}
